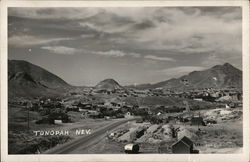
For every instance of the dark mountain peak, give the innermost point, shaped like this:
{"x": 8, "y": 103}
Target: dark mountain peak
{"x": 227, "y": 64}
{"x": 227, "y": 69}
{"x": 110, "y": 80}
{"x": 224, "y": 66}
{"x": 23, "y": 63}
{"x": 25, "y": 78}
{"x": 36, "y": 72}
{"x": 108, "y": 84}
{"x": 216, "y": 67}
{"x": 219, "y": 76}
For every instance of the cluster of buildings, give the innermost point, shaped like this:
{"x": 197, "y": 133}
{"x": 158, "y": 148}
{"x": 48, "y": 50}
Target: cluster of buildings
{"x": 101, "y": 109}
{"x": 230, "y": 97}
{"x": 206, "y": 94}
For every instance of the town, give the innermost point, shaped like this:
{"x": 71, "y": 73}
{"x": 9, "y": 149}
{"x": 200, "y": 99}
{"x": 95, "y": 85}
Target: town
{"x": 166, "y": 116}
{"x": 86, "y": 104}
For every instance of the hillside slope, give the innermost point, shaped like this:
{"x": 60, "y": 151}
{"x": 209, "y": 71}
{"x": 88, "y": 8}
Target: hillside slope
{"x": 26, "y": 79}
{"x": 108, "y": 84}
{"x": 219, "y": 76}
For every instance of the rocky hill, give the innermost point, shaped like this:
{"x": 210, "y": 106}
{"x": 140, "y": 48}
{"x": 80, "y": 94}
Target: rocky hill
{"x": 26, "y": 79}
{"x": 108, "y": 84}
{"x": 219, "y": 76}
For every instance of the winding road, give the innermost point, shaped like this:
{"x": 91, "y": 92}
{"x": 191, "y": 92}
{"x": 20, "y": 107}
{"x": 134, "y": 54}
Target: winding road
{"x": 75, "y": 146}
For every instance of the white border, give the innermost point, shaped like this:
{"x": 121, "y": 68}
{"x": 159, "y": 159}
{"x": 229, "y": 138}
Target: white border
{"x": 122, "y": 157}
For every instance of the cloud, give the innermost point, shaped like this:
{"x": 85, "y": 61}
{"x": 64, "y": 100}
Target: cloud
{"x": 191, "y": 30}
{"x": 109, "y": 28}
{"x": 116, "y": 53}
{"x": 187, "y": 30}
{"x": 178, "y": 30}
{"x": 191, "y": 33}
{"x": 159, "y": 58}
{"x": 111, "y": 53}
{"x": 136, "y": 55}
{"x": 87, "y": 36}
{"x": 90, "y": 26}
{"x": 52, "y": 13}
{"x": 164, "y": 38}
{"x": 61, "y": 50}
{"x": 168, "y": 33}
{"x": 28, "y": 40}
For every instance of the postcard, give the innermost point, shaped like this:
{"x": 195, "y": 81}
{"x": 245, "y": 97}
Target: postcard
{"x": 124, "y": 81}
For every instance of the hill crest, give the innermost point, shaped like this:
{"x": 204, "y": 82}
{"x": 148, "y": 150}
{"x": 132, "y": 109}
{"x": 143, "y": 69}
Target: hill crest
{"x": 27, "y": 79}
{"x": 219, "y": 76}
{"x": 108, "y": 84}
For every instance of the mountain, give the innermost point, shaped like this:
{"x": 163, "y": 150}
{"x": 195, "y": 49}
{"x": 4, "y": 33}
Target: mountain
{"x": 219, "y": 76}
{"x": 26, "y": 79}
{"x": 108, "y": 84}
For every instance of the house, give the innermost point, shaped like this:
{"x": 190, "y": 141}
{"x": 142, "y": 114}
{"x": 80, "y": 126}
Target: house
{"x": 184, "y": 119}
{"x": 159, "y": 113}
{"x": 104, "y": 91}
{"x": 114, "y": 104}
{"x": 124, "y": 109}
{"x": 29, "y": 104}
{"x": 72, "y": 108}
{"x": 198, "y": 99}
{"x": 93, "y": 114}
{"x": 208, "y": 122}
{"x": 197, "y": 120}
{"x": 232, "y": 105}
{"x": 128, "y": 115}
{"x": 183, "y": 146}
{"x": 84, "y": 105}
{"x": 227, "y": 106}
{"x": 82, "y": 110}
{"x": 58, "y": 121}
{"x": 144, "y": 108}
{"x": 131, "y": 148}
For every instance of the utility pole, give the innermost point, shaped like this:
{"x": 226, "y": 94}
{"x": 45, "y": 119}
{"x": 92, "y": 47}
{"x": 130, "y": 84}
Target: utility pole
{"x": 28, "y": 118}
{"x": 29, "y": 105}
{"x": 187, "y": 108}
{"x": 199, "y": 120}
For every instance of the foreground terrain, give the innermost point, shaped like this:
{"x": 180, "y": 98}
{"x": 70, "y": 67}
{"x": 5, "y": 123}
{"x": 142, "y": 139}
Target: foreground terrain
{"x": 223, "y": 137}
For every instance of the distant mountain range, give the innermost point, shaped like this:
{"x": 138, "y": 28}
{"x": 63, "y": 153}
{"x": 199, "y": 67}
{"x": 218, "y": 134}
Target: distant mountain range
{"x": 219, "y": 76}
{"x": 26, "y": 79}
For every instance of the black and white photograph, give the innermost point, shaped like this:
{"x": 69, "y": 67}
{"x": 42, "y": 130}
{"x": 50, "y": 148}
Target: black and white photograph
{"x": 125, "y": 80}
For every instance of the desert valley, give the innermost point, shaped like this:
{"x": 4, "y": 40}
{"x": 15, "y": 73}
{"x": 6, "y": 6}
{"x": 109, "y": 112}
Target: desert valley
{"x": 203, "y": 108}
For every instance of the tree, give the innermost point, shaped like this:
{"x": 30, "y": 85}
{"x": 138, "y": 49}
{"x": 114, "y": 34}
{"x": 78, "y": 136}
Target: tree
{"x": 174, "y": 131}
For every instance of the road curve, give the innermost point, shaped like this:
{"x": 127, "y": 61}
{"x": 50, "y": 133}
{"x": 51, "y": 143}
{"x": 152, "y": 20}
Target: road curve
{"x": 71, "y": 146}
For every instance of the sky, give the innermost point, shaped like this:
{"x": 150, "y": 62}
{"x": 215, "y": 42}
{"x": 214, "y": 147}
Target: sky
{"x": 132, "y": 45}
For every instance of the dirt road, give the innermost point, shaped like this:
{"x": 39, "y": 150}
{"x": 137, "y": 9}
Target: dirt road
{"x": 76, "y": 146}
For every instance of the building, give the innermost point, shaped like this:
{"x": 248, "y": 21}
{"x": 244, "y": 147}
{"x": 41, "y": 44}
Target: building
{"x": 58, "y": 121}
{"x": 227, "y": 106}
{"x": 183, "y": 146}
{"x": 197, "y": 120}
{"x": 198, "y": 99}
{"x": 131, "y": 148}
{"x": 90, "y": 114}
{"x": 128, "y": 115}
